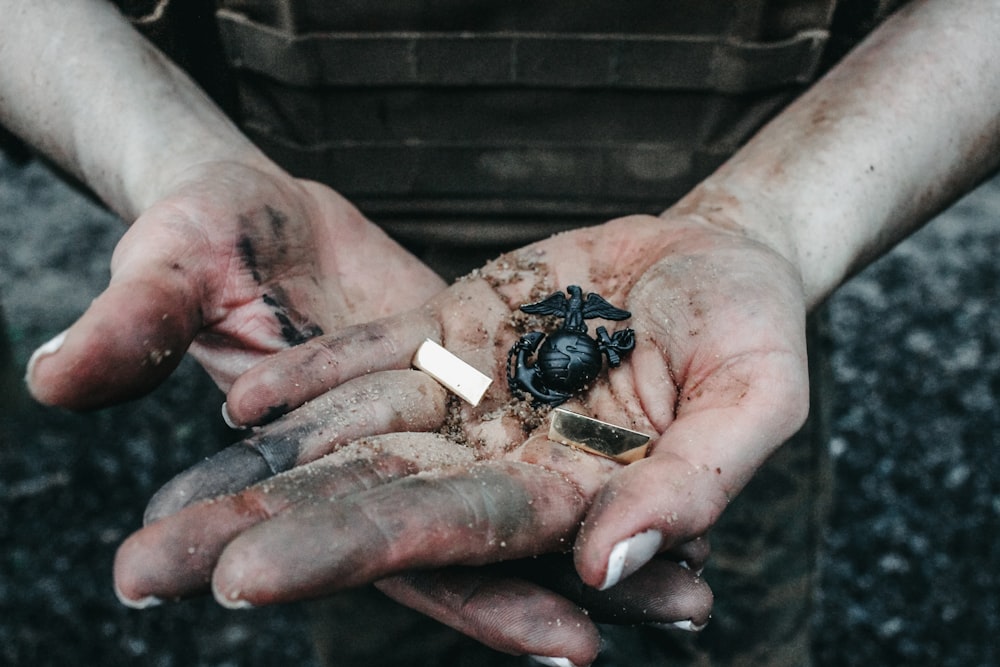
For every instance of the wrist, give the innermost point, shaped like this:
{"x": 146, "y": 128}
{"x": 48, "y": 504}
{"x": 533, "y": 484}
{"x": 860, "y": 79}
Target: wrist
{"x": 157, "y": 145}
{"x": 737, "y": 210}
{"x": 900, "y": 128}
{"x": 84, "y": 88}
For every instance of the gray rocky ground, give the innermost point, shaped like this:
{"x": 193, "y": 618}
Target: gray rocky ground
{"x": 912, "y": 575}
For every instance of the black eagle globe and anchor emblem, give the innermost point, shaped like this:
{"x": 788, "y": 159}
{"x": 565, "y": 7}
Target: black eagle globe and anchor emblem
{"x": 568, "y": 359}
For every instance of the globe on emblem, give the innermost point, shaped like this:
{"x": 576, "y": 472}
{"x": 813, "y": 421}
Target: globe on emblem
{"x": 569, "y": 360}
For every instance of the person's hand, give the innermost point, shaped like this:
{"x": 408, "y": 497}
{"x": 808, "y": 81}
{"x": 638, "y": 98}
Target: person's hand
{"x": 238, "y": 263}
{"x": 718, "y": 374}
{"x": 423, "y": 500}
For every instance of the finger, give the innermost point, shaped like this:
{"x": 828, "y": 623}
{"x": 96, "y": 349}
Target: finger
{"x": 506, "y": 613}
{"x": 693, "y": 554}
{"x": 541, "y": 607}
{"x": 472, "y": 312}
{"x": 285, "y": 381}
{"x": 127, "y": 342}
{"x": 174, "y": 557}
{"x": 493, "y": 511}
{"x": 662, "y": 592}
{"x": 723, "y": 431}
{"x": 379, "y": 403}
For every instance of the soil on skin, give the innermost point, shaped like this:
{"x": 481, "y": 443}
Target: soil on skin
{"x": 912, "y": 572}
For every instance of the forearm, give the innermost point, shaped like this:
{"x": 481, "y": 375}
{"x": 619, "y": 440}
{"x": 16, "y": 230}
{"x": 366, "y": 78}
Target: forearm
{"x": 904, "y": 125}
{"x": 78, "y": 83}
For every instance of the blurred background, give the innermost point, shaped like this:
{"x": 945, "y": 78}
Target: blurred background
{"x": 912, "y": 572}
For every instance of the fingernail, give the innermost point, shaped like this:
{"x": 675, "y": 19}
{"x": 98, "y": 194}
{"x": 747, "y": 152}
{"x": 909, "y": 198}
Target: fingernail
{"x": 141, "y": 603}
{"x": 234, "y": 604}
{"x": 552, "y": 662}
{"x": 231, "y": 600}
{"x": 45, "y": 350}
{"x": 686, "y": 626}
{"x": 630, "y": 554}
{"x": 229, "y": 420}
{"x": 687, "y": 566}
{"x": 689, "y": 626}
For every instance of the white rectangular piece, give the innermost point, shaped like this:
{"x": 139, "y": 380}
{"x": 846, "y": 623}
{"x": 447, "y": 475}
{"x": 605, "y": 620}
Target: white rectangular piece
{"x": 451, "y": 371}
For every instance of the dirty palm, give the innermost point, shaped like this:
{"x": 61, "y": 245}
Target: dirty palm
{"x": 492, "y": 487}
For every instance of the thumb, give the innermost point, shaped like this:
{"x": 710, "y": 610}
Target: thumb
{"x": 127, "y": 342}
{"x": 722, "y": 433}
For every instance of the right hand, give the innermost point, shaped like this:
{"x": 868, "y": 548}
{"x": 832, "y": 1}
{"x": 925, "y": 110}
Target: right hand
{"x": 235, "y": 263}
{"x": 718, "y": 375}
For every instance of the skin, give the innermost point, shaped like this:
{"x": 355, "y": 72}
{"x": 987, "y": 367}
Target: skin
{"x": 231, "y": 266}
{"x": 675, "y": 384}
{"x": 226, "y": 257}
{"x": 519, "y": 500}
{"x": 718, "y": 286}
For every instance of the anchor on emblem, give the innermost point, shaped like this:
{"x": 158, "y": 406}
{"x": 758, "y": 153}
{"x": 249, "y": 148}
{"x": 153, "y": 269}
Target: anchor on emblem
{"x": 568, "y": 359}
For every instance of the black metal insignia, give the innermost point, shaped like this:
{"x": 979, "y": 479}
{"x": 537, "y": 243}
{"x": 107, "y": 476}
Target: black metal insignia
{"x": 568, "y": 359}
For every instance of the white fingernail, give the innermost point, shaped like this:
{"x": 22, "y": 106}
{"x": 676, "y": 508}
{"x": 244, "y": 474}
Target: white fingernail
{"x": 629, "y": 555}
{"x": 234, "y": 604}
{"x": 49, "y": 348}
{"x": 687, "y": 566}
{"x": 552, "y": 662}
{"x": 141, "y": 603}
{"x": 231, "y": 600}
{"x": 690, "y": 626}
{"x": 229, "y": 420}
{"x": 686, "y": 626}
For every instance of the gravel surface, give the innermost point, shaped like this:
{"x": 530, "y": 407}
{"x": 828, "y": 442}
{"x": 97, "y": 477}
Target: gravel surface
{"x": 913, "y": 570}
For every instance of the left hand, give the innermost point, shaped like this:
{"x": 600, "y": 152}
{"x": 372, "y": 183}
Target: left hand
{"x": 231, "y": 263}
{"x": 383, "y": 518}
